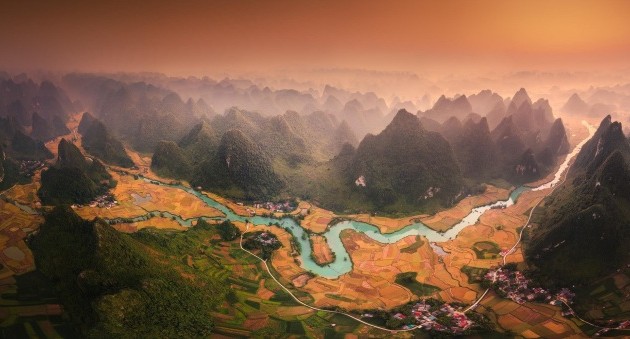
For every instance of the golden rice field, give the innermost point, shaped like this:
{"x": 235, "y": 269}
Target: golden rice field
{"x": 322, "y": 254}
{"x": 15, "y": 224}
{"x": 25, "y": 194}
{"x": 155, "y": 222}
{"x": 529, "y": 320}
{"x": 137, "y": 197}
{"x": 442, "y": 220}
{"x": 370, "y": 283}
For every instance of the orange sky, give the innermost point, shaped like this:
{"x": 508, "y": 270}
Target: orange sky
{"x": 196, "y": 37}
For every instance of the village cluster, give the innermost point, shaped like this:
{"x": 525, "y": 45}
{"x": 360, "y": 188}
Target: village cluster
{"x": 266, "y": 239}
{"x": 514, "y": 285}
{"x": 441, "y": 317}
{"x": 279, "y": 207}
{"x": 622, "y": 326}
{"x": 29, "y": 167}
{"x": 102, "y": 201}
{"x": 272, "y": 207}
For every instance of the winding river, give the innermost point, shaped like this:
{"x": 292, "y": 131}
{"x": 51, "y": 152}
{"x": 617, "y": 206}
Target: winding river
{"x": 342, "y": 263}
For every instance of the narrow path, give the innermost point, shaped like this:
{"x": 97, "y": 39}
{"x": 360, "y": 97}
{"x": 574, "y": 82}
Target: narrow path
{"x": 520, "y": 235}
{"x": 317, "y": 308}
{"x": 520, "y": 238}
{"x": 511, "y": 250}
{"x": 475, "y": 304}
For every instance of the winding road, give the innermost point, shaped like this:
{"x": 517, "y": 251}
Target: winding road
{"x": 526, "y": 225}
{"x": 313, "y": 307}
{"x": 476, "y": 303}
{"x": 560, "y": 180}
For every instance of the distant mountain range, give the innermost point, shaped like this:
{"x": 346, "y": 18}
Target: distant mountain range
{"x": 246, "y": 150}
{"x": 253, "y": 155}
{"x": 344, "y": 151}
{"x": 522, "y": 147}
{"x": 97, "y": 141}
{"x": 141, "y": 114}
{"x": 458, "y": 107}
{"x": 43, "y": 108}
{"x": 16, "y": 146}
{"x": 30, "y": 114}
{"x": 155, "y": 112}
{"x": 575, "y": 105}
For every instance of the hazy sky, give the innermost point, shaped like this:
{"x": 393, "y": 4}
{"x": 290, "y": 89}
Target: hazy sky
{"x": 197, "y": 37}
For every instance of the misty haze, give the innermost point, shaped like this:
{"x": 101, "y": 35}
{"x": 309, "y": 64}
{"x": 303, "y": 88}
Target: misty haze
{"x": 287, "y": 169}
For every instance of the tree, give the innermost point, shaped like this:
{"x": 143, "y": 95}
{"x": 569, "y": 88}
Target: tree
{"x": 228, "y": 231}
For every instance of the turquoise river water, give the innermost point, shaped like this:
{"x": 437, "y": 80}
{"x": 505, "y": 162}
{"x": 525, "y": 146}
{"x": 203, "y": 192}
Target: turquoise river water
{"x": 342, "y": 263}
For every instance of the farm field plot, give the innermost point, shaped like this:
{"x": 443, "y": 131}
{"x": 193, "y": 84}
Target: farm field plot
{"x": 529, "y": 320}
{"x": 321, "y": 251}
{"x": 371, "y": 284}
{"x": 486, "y": 250}
{"x": 440, "y": 221}
{"x": 156, "y": 222}
{"x": 444, "y": 220}
{"x": 136, "y": 197}
{"x": 608, "y": 297}
{"x": 239, "y": 209}
{"x": 15, "y": 224}
{"x": 382, "y": 275}
{"x": 318, "y": 219}
{"x": 259, "y": 306}
{"x": 27, "y": 303}
{"x": 25, "y": 194}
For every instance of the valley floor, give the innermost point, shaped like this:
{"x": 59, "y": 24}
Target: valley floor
{"x": 261, "y": 306}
